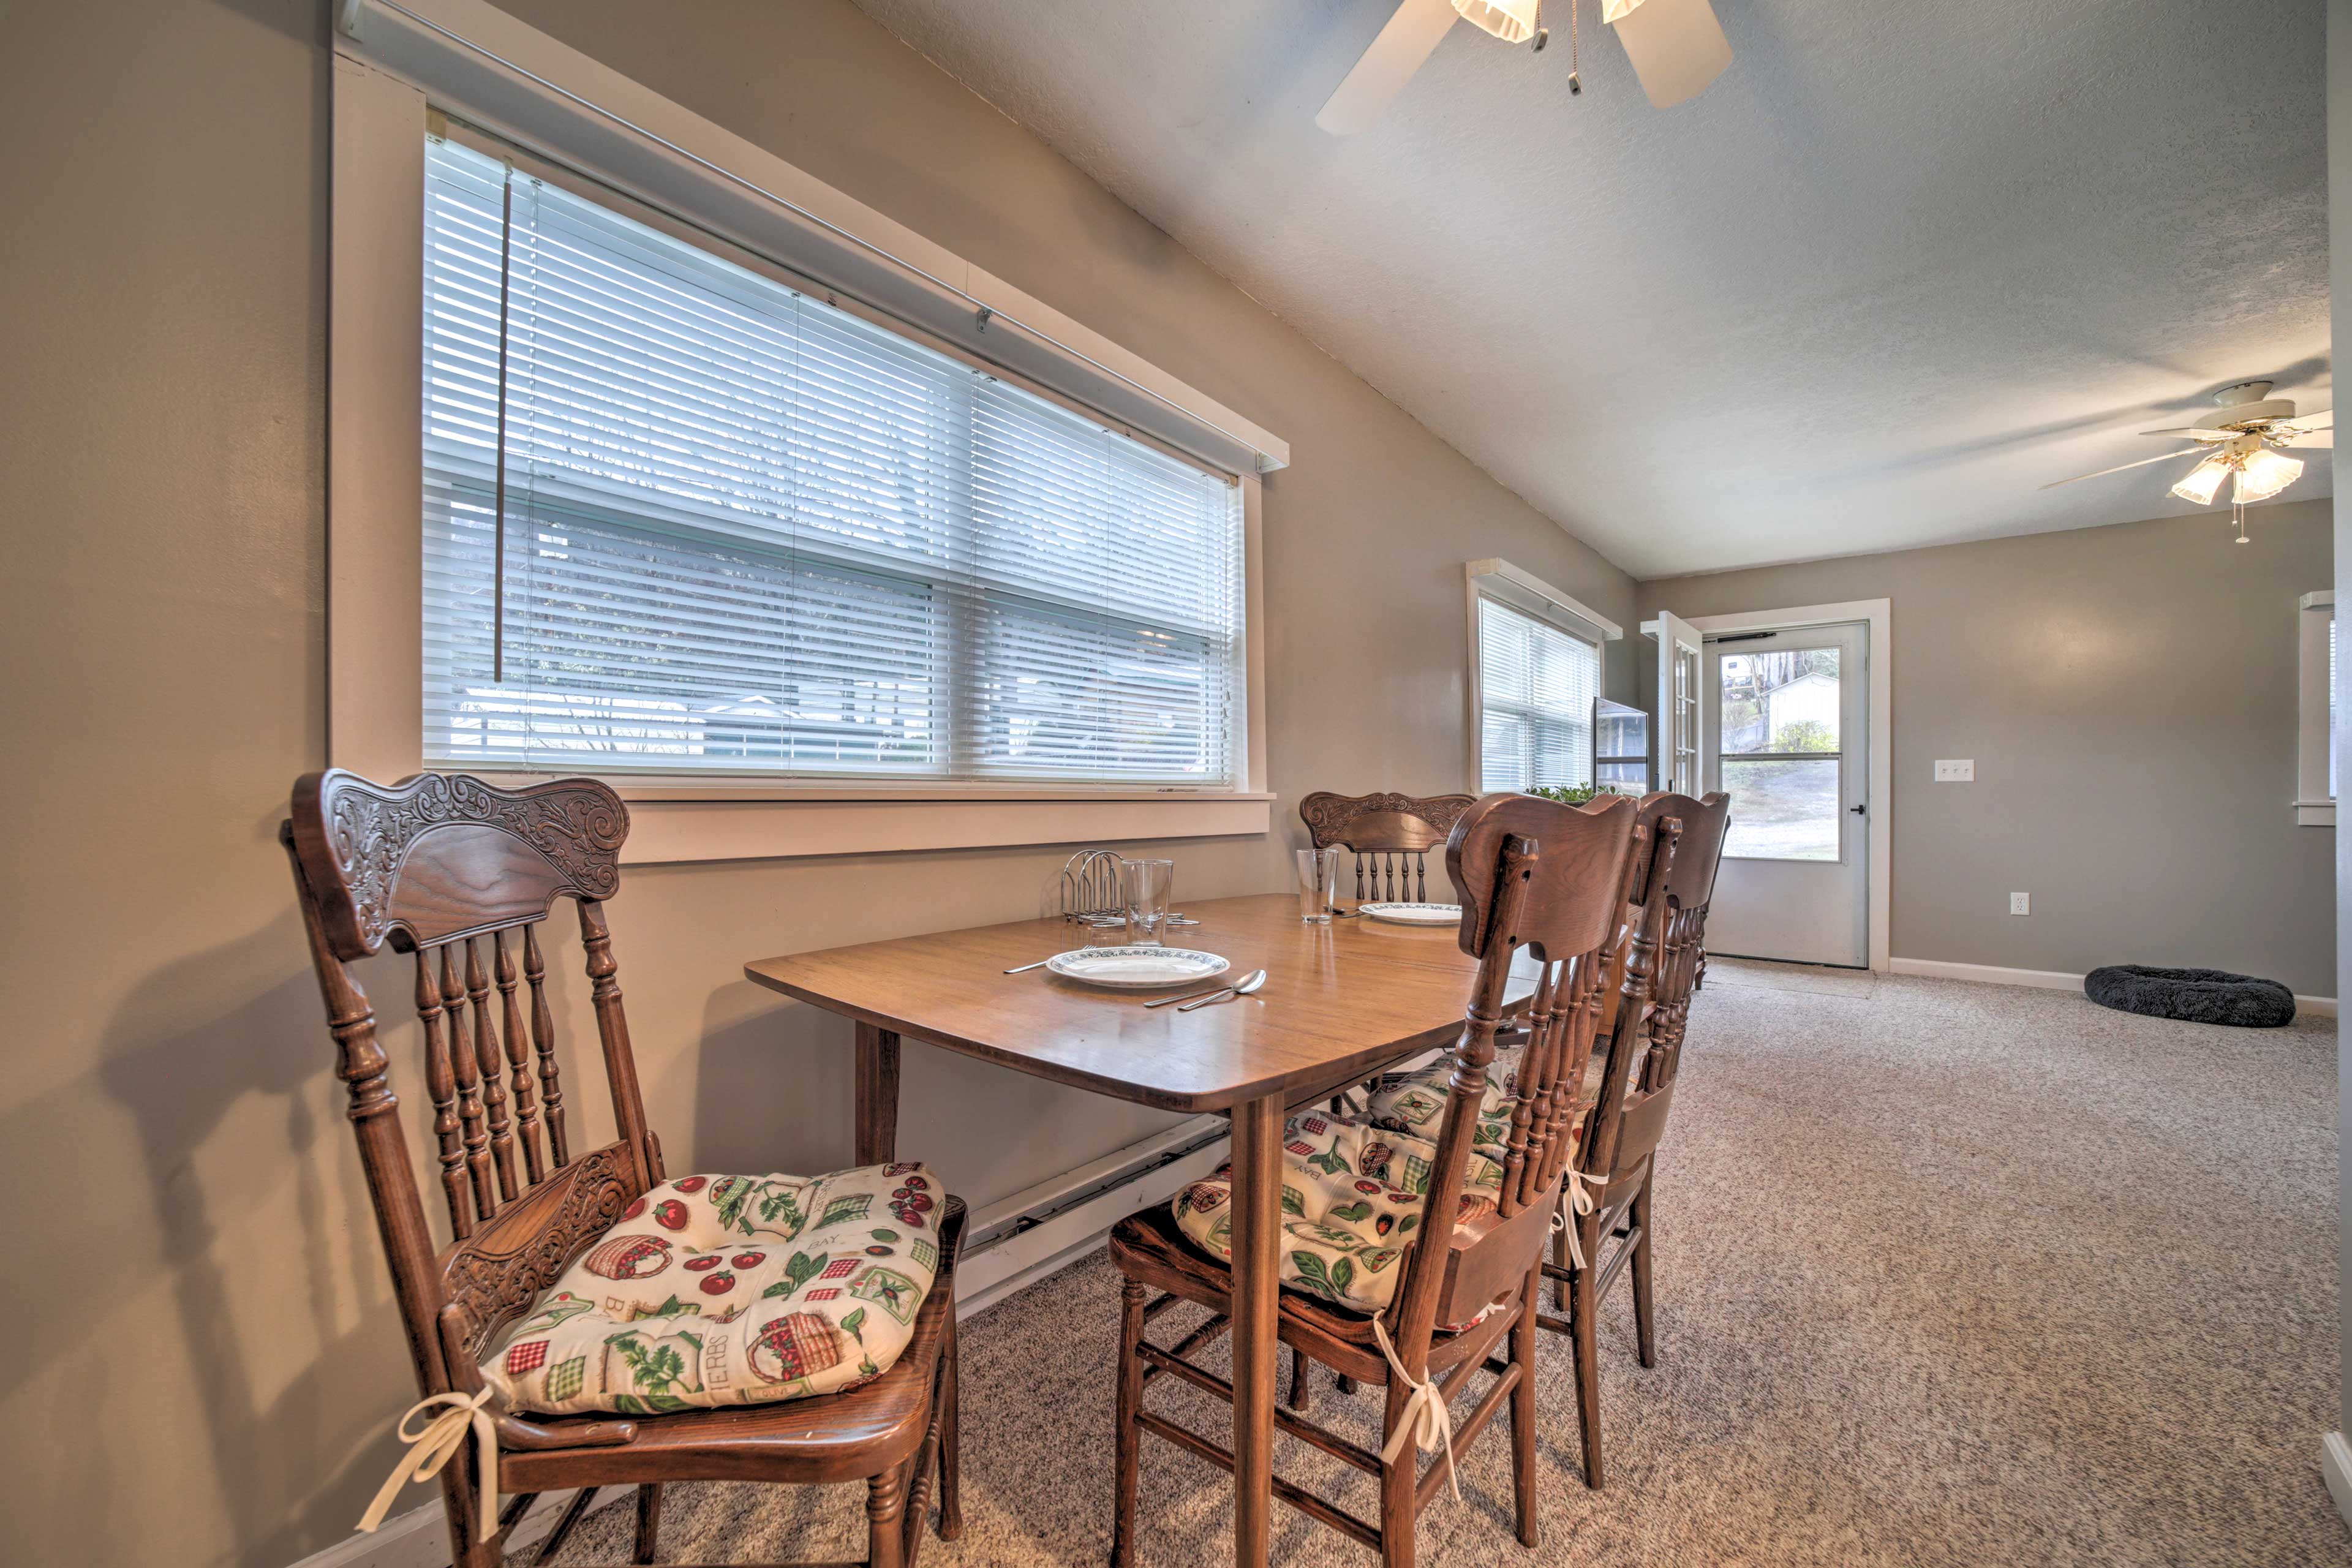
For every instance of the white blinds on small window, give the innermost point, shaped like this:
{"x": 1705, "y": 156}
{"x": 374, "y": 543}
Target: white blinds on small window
{"x": 747, "y": 532}
{"x": 1538, "y": 689}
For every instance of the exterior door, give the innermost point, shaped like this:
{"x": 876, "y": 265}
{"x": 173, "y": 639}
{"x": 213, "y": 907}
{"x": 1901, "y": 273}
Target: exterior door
{"x": 1788, "y": 737}
{"x": 1680, "y": 713}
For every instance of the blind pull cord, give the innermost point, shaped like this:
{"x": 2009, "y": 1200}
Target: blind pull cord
{"x": 499, "y": 490}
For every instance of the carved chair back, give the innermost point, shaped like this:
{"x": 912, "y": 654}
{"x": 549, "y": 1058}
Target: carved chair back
{"x": 1390, "y": 834}
{"x": 1663, "y": 963}
{"x": 1548, "y": 880}
{"x": 463, "y": 875}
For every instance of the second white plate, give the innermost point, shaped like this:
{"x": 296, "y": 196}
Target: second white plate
{"x": 1136, "y": 968}
{"x": 1413, "y": 914}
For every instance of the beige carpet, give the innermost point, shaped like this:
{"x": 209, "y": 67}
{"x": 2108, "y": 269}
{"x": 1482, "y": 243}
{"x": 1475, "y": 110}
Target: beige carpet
{"x": 1951, "y": 1274}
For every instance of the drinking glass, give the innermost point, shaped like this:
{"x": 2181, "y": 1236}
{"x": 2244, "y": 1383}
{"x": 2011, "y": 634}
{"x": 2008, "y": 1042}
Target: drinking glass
{"x": 1318, "y": 884}
{"x": 1144, "y": 885}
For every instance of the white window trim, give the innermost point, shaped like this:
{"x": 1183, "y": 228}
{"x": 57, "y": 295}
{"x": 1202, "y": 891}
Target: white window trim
{"x": 386, "y": 80}
{"x": 1529, "y": 594}
{"x": 2314, "y": 805}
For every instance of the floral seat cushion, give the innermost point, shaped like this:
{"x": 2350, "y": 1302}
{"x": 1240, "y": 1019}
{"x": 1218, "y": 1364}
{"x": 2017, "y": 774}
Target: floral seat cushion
{"x": 1414, "y": 1102}
{"x": 714, "y": 1291}
{"x": 1351, "y": 1199}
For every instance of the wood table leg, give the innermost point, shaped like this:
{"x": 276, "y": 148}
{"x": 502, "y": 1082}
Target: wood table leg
{"x": 878, "y": 1095}
{"x": 1258, "y": 1222}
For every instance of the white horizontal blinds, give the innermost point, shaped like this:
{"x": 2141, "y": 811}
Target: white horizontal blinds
{"x": 748, "y": 532}
{"x": 1539, "y": 688}
{"x": 1110, "y": 580}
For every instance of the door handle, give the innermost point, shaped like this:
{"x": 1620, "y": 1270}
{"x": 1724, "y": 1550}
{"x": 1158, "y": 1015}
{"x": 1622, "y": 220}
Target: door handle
{"x": 1859, "y": 810}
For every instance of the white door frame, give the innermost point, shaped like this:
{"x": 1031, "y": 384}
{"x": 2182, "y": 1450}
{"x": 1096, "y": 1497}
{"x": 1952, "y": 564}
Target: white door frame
{"x": 1879, "y": 613}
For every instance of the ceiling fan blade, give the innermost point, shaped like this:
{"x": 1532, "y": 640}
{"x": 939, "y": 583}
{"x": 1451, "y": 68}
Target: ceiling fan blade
{"x": 2198, "y": 432}
{"x": 2311, "y": 438}
{"x": 2119, "y": 468}
{"x": 2323, "y": 420}
{"x": 1676, "y": 46}
{"x": 1411, "y": 37}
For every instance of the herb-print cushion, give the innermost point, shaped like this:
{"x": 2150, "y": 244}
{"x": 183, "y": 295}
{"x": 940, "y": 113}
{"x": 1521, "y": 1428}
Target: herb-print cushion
{"x": 1351, "y": 1199}
{"x": 716, "y": 1290}
{"x": 1415, "y": 1101}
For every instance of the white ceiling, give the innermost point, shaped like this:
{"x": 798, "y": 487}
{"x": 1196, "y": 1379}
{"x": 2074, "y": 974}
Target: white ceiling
{"x": 1904, "y": 262}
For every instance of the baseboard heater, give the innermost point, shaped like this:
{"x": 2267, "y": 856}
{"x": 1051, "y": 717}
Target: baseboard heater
{"x": 1021, "y": 1238}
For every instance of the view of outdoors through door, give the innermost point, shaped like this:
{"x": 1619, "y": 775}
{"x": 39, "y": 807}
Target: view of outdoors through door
{"x": 1779, "y": 752}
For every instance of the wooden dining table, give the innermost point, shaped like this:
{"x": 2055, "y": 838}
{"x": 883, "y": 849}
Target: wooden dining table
{"x": 1340, "y": 1002}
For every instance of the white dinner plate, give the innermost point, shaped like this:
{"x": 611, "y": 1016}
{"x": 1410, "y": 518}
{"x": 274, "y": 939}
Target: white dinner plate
{"x": 1415, "y": 914}
{"x": 1136, "y": 968}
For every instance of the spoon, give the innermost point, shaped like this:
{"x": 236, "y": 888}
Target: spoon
{"x": 1242, "y": 988}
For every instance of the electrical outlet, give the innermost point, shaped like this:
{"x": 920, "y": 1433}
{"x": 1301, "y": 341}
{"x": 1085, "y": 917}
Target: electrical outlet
{"x": 1956, "y": 770}
{"x": 2021, "y": 903}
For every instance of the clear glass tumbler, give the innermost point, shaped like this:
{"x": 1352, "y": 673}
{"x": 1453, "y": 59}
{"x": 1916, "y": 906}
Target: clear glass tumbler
{"x": 1318, "y": 884}
{"x": 1145, "y": 886}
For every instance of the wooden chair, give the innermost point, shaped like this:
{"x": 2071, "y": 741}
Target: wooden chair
{"x": 1535, "y": 875}
{"x": 462, "y": 875}
{"x": 1390, "y": 834}
{"x": 1636, "y": 1092}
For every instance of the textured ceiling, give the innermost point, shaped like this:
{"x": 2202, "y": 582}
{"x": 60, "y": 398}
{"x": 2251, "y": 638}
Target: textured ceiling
{"x": 1903, "y": 263}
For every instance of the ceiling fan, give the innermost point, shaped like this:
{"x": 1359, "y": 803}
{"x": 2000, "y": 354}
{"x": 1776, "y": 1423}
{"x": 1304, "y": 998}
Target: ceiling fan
{"x": 2240, "y": 442}
{"x": 1676, "y": 47}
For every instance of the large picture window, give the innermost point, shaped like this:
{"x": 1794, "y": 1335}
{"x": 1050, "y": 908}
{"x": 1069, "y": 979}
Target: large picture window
{"x": 1537, "y": 689}
{"x": 681, "y": 518}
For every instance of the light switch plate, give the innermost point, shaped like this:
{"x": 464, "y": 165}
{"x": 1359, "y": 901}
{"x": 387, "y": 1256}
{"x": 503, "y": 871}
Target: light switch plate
{"x": 2021, "y": 903}
{"x": 1956, "y": 770}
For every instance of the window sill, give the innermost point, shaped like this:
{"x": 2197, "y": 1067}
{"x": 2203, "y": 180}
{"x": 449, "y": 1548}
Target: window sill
{"x": 665, "y": 829}
{"x": 2314, "y": 813}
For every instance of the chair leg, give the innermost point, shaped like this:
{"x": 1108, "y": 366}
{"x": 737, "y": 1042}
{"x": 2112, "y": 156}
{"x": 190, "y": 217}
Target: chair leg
{"x": 1397, "y": 1510}
{"x": 1584, "y": 1317}
{"x": 885, "y": 1519}
{"x": 1302, "y": 1387}
{"x": 1561, "y": 1259}
{"x": 1128, "y": 1452}
{"x": 1645, "y": 1324}
{"x": 950, "y": 1436}
{"x": 1523, "y": 1407}
{"x": 649, "y": 1497}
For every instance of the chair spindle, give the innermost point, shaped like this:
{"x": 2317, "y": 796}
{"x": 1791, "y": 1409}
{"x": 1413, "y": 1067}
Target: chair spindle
{"x": 441, "y": 1085}
{"x": 542, "y": 1039}
{"x": 474, "y": 1124}
{"x": 526, "y": 1103}
{"x": 493, "y": 1065}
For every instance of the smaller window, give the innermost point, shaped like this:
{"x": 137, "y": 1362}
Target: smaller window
{"x": 2314, "y": 802}
{"x": 1538, "y": 686}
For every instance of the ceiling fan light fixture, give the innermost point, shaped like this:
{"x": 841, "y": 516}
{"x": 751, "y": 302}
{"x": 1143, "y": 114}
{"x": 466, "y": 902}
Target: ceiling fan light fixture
{"x": 2200, "y": 484}
{"x": 1617, "y": 10}
{"x": 1513, "y": 21}
{"x": 2263, "y": 475}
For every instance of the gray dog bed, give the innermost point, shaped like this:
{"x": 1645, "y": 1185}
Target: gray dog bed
{"x": 2195, "y": 995}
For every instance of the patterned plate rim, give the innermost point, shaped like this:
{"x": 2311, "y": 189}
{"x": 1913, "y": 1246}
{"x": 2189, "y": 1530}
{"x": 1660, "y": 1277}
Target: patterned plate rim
{"x": 1213, "y": 964}
{"x": 1389, "y": 909}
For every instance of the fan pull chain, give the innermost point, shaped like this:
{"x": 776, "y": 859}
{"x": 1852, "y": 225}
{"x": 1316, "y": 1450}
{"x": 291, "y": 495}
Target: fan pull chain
{"x": 1575, "y": 82}
{"x": 2238, "y": 512}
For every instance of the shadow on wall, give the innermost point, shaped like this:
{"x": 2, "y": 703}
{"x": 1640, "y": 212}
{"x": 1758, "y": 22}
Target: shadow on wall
{"x": 184, "y": 1055}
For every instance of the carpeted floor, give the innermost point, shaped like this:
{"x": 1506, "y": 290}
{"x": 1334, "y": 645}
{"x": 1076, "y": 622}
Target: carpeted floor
{"x": 1948, "y": 1274}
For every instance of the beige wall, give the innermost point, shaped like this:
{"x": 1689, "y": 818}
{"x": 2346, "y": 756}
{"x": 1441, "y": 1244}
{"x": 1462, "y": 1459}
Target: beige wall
{"x": 2128, "y": 695}
{"x": 192, "y": 1256}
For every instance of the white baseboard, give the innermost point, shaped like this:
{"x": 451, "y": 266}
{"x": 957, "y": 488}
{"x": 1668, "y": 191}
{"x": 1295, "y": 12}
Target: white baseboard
{"x": 2043, "y": 978}
{"x": 2336, "y": 1464}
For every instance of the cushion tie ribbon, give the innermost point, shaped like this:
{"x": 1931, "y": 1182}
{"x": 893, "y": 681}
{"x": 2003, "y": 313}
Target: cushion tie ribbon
{"x": 431, "y": 1446}
{"x": 1576, "y": 1198}
{"x": 1427, "y": 1423}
